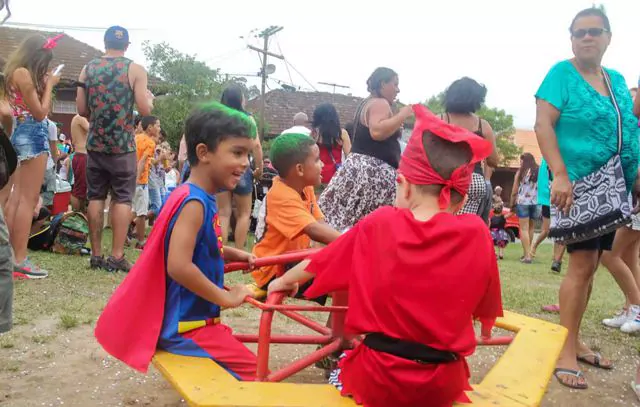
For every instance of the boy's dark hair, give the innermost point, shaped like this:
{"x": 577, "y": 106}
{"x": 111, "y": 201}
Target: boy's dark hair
{"x": 444, "y": 157}
{"x": 592, "y": 11}
{"x": 148, "y": 121}
{"x": 211, "y": 127}
{"x": 137, "y": 120}
{"x": 290, "y": 149}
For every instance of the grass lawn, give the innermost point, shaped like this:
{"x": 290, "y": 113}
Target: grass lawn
{"x": 65, "y": 306}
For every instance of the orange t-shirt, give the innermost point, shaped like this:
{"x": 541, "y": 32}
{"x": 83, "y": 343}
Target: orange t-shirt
{"x": 283, "y": 216}
{"x": 145, "y": 144}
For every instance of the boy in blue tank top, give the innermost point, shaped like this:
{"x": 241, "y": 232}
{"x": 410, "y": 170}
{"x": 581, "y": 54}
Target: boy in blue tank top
{"x": 181, "y": 305}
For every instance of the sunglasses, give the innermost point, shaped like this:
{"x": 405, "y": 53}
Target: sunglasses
{"x": 593, "y": 32}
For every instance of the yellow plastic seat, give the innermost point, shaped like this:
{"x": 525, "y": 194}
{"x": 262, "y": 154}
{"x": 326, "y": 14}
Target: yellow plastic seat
{"x": 519, "y": 378}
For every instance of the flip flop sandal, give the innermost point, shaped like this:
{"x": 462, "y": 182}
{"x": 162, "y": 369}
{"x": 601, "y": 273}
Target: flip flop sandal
{"x": 569, "y": 372}
{"x": 596, "y": 360}
{"x": 636, "y": 389}
{"x": 552, "y": 308}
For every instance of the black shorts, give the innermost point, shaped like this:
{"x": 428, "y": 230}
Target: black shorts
{"x": 600, "y": 244}
{"x": 111, "y": 172}
{"x": 546, "y": 211}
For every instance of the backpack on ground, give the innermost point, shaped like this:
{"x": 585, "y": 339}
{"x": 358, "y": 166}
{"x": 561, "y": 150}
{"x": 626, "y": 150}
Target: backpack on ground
{"x": 67, "y": 233}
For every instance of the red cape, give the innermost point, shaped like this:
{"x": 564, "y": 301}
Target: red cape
{"x": 130, "y": 324}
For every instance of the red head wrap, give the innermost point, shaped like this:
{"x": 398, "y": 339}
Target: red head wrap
{"x": 415, "y": 166}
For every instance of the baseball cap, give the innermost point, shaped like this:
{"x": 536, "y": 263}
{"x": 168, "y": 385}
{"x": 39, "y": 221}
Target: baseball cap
{"x": 116, "y": 34}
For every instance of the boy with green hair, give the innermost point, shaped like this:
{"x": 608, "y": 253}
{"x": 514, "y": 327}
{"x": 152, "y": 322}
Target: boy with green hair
{"x": 290, "y": 217}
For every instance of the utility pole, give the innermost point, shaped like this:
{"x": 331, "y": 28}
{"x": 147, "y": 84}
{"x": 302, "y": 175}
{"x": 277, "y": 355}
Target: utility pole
{"x": 265, "y": 34}
{"x": 335, "y": 85}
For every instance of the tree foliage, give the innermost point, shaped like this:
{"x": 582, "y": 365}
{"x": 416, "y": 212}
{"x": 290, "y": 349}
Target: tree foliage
{"x": 181, "y": 81}
{"x": 500, "y": 121}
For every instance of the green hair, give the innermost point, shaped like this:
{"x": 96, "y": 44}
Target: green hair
{"x": 244, "y": 117}
{"x": 290, "y": 149}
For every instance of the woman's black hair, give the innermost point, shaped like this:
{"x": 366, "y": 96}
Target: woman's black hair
{"x": 464, "y": 96}
{"x": 232, "y": 97}
{"x": 378, "y": 78}
{"x": 327, "y": 122}
{"x": 529, "y": 166}
{"x": 592, "y": 11}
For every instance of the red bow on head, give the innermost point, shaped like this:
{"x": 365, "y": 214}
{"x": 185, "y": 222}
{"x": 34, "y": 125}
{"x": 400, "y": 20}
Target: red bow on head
{"x": 52, "y": 42}
{"x": 415, "y": 166}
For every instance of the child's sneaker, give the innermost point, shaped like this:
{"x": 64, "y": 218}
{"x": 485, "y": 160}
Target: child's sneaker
{"x": 556, "y": 266}
{"x": 633, "y": 320}
{"x": 96, "y": 262}
{"x": 28, "y": 270}
{"x": 112, "y": 264}
{"x": 618, "y": 320}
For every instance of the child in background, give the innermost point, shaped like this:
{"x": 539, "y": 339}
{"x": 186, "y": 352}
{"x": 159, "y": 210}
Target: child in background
{"x": 145, "y": 152}
{"x": 290, "y": 217}
{"x": 498, "y": 224}
{"x": 402, "y": 268}
{"x": 177, "y": 285}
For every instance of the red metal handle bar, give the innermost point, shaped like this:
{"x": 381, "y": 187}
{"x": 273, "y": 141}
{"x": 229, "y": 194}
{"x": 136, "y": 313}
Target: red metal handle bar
{"x": 305, "y": 361}
{"x": 291, "y": 257}
{"x": 494, "y": 340}
{"x": 289, "y": 339}
{"x": 291, "y": 307}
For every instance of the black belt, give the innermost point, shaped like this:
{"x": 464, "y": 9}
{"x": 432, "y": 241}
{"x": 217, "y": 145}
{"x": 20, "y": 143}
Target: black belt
{"x": 408, "y": 350}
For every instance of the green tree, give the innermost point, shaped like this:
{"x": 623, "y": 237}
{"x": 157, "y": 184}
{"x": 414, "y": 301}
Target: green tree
{"x": 183, "y": 82}
{"x": 500, "y": 121}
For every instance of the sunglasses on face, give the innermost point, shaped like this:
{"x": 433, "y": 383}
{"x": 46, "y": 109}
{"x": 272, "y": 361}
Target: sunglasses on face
{"x": 593, "y": 32}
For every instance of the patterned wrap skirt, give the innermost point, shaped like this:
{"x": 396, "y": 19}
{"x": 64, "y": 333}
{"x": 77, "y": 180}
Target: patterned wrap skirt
{"x": 476, "y": 196}
{"x": 361, "y": 185}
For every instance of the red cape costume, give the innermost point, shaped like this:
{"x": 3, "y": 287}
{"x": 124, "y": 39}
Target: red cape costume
{"x": 130, "y": 324}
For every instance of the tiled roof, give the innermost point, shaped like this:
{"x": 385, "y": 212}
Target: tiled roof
{"x": 282, "y": 105}
{"x": 72, "y": 53}
{"x": 526, "y": 139}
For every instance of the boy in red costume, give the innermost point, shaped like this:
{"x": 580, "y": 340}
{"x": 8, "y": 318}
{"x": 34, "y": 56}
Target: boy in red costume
{"x": 416, "y": 275}
{"x": 172, "y": 297}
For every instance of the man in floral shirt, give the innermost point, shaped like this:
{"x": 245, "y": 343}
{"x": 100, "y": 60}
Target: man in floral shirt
{"x": 110, "y": 86}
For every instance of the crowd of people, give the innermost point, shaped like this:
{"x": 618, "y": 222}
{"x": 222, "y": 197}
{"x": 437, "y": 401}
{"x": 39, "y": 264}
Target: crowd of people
{"x": 381, "y": 207}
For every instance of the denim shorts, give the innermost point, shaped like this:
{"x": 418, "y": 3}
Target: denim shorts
{"x": 528, "y": 211}
{"x": 155, "y": 200}
{"x": 30, "y": 138}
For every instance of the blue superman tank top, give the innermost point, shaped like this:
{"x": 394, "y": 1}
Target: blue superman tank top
{"x": 183, "y": 310}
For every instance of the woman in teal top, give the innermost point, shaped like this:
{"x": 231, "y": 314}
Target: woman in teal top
{"x": 576, "y": 127}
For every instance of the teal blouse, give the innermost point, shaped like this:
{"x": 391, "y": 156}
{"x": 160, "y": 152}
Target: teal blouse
{"x": 587, "y": 127}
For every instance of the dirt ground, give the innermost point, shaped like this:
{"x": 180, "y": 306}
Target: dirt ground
{"x": 45, "y": 365}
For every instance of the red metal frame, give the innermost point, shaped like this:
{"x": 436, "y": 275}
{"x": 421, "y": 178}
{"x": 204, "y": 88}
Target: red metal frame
{"x": 331, "y": 337}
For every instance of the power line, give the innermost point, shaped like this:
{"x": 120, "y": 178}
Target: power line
{"x": 286, "y": 61}
{"x": 66, "y": 27}
{"x": 287, "y": 65}
{"x": 222, "y": 57}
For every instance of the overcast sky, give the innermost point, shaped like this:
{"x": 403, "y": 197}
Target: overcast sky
{"x": 506, "y": 44}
